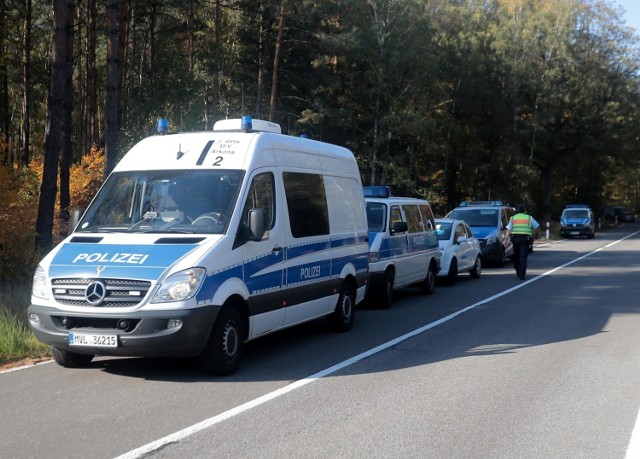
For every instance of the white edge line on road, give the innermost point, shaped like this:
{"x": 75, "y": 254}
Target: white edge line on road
{"x": 633, "y": 449}
{"x": 24, "y": 367}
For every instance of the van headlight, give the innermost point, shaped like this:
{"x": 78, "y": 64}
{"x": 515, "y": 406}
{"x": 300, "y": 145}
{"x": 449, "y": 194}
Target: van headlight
{"x": 39, "y": 287}
{"x": 180, "y": 286}
{"x": 492, "y": 240}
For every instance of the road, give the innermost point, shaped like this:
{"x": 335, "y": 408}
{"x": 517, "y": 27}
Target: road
{"x": 490, "y": 368}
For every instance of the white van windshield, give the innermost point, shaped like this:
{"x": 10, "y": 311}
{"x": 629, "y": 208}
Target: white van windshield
{"x": 181, "y": 201}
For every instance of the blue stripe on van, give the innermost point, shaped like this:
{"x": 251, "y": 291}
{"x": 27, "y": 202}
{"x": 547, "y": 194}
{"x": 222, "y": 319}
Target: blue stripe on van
{"x": 267, "y": 288}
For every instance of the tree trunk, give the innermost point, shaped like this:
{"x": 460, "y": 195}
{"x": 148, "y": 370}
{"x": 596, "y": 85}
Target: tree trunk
{"x": 276, "y": 59}
{"x": 111, "y": 102}
{"x": 4, "y": 88}
{"x": 26, "y": 86}
{"x": 53, "y": 136}
{"x": 91, "y": 133}
{"x": 66, "y": 154}
{"x": 262, "y": 55}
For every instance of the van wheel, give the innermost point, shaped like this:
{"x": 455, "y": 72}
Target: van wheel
{"x": 224, "y": 351}
{"x": 452, "y": 275}
{"x": 68, "y": 359}
{"x": 387, "y": 289}
{"x": 342, "y": 318}
{"x": 429, "y": 283}
{"x": 476, "y": 271}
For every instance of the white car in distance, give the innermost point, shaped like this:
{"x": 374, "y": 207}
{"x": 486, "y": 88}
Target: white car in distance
{"x": 459, "y": 250}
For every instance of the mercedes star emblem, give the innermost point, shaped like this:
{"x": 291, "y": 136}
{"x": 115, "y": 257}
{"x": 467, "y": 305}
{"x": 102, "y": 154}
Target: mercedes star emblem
{"x": 95, "y": 293}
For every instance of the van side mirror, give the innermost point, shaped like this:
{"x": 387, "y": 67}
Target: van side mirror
{"x": 399, "y": 227}
{"x": 75, "y": 219}
{"x": 257, "y": 224}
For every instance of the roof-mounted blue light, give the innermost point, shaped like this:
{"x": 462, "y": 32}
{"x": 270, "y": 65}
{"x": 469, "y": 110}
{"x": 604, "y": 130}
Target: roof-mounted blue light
{"x": 376, "y": 191}
{"x": 481, "y": 203}
{"x": 163, "y": 126}
{"x": 247, "y": 123}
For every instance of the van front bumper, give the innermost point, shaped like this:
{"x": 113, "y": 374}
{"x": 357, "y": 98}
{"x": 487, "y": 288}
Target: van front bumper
{"x": 174, "y": 333}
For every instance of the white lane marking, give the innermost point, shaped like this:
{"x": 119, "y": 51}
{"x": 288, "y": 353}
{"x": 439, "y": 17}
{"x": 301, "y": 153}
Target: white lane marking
{"x": 633, "y": 450}
{"x": 184, "y": 433}
{"x": 24, "y": 367}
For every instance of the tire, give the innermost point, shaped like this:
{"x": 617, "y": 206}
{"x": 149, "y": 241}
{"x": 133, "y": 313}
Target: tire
{"x": 223, "y": 353}
{"x": 386, "y": 291}
{"x": 452, "y": 275}
{"x": 429, "y": 283}
{"x": 69, "y": 359}
{"x": 343, "y": 316}
{"x": 476, "y": 271}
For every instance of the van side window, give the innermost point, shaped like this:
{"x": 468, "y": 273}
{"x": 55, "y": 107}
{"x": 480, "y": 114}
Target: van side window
{"x": 396, "y": 216}
{"x": 427, "y": 216}
{"x": 307, "y": 203}
{"x": 414, "y": 221}
{"x": 261, "y": 196}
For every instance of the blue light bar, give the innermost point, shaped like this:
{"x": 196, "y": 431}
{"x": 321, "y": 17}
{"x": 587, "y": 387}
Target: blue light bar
{"x": 247, "y": 124}
{"x": 376, "y": 191}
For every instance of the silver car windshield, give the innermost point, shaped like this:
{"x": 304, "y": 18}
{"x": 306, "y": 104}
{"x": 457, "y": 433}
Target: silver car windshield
{"x": 180, "y": 201}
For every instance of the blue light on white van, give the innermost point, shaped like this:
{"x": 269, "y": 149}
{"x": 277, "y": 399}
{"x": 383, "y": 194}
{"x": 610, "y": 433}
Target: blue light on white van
{"x": 247, "y": 124}
{"x": 376, "y": 191}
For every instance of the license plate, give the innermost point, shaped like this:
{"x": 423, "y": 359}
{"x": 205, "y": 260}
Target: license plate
{"x": 575, "y": 233}
{"x": 91, "y": 340}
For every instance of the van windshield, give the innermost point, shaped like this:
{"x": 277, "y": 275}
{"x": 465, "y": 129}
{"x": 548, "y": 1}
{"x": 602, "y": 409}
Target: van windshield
{"x": 181, "y": 201}
{"x": 376, "y": 216}
{"x": 575, "y": 213}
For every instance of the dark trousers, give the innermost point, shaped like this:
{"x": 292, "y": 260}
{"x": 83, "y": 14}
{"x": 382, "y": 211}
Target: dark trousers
{"x": 520, "y": 254}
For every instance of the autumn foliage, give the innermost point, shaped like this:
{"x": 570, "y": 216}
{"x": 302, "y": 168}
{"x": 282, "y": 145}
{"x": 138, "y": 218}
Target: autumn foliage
{"x": 19, "y": 193}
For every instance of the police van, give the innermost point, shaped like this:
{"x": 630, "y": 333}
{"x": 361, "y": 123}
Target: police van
{"x": 199, "y": 242}
{"x": 403, "y": 245}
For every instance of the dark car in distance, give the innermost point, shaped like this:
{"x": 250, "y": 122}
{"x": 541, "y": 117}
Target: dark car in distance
{"x": 618, "y": 214}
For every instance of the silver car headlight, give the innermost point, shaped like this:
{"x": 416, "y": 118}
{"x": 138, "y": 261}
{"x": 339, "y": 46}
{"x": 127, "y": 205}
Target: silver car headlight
{"x": 180, "y": 286}
{"x": 39, "y": 287}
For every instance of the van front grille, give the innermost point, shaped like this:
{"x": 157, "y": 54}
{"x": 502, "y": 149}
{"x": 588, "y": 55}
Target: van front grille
{"x": 100, "y": 292}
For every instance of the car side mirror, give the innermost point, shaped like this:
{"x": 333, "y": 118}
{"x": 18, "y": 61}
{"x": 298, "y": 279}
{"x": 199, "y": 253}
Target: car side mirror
{"x": 257, "y": 220}
{"x": 461, "y": 239}
{"x": 399, "y": 227}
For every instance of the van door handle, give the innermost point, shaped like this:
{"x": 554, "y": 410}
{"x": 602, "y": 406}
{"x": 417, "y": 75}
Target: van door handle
{"x": 277, "y": 249}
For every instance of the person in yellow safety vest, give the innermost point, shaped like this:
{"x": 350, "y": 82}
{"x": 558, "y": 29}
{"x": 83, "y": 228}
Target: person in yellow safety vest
{"x": 520, "y": 228}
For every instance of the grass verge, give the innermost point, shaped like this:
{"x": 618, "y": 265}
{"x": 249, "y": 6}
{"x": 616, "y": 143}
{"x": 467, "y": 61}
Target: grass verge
{"x": 17, "y": 342}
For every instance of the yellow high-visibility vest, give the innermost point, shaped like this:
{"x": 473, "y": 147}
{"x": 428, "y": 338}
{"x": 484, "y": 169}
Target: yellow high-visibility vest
{"x": 521, "y": 224}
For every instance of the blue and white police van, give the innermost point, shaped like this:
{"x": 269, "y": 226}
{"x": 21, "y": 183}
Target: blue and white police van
{"x": 199, "y": 242}
{"x": 403, "y": 245}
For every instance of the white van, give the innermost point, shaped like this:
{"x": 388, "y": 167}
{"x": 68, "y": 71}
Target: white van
{"x": 403, "y": 245}
{"x": 199, "y": 242}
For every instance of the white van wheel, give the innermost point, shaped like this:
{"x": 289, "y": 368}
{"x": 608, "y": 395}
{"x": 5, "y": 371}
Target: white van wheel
{"x": 428, "y": 285}
{"x": 342, "y": 317}
{"x": 68, "y": 359}
{"x": 224, "y": 351}
{"x": 387, "y": 289}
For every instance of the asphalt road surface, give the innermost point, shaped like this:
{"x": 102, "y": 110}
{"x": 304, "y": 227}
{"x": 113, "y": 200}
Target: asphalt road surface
{"x": 490, "y": 368}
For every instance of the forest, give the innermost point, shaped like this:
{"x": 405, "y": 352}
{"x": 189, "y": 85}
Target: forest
{"x": 515, "y": 100}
